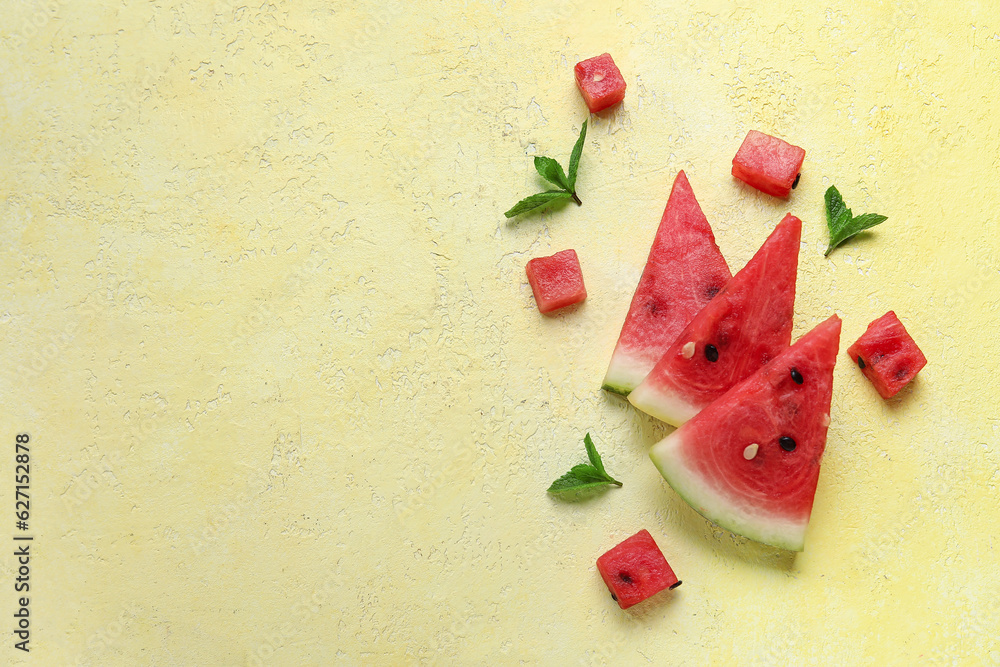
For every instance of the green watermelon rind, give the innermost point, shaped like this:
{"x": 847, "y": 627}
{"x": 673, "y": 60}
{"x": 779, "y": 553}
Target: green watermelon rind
{"x": 621, "y": 390}
{"x": 698, "y": 493}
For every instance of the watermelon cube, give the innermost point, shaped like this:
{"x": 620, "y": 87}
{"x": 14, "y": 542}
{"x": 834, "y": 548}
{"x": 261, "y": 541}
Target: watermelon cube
{"x": 887, "y": 355}
{"x": 768, "y": 163}
{"x": 635, "y": 570}
{"x": 556, "y": 281}
{"x": 600, "y": 81}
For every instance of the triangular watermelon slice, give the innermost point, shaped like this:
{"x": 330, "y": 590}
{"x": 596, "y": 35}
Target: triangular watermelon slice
{"x": 683, "y": 272}
{"x": 750, "y": 460}
{"x": 746, "y": 325}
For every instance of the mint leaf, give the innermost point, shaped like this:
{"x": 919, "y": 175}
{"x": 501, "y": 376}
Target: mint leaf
{"x": 551, "y": 171}
{"x": 863, "y": 222}
{"x": 583, "y": 476}
{"x": 595, "y": 458}
{"x": 571, "y": 482}
{"x": 574, "y": 158}
{"x": 841, "y": 221}
{"x": 536, "y": 201}
{"x": 837, "y": 213}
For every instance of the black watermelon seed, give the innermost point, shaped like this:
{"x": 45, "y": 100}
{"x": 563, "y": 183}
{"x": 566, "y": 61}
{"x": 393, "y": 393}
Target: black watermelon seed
{"x": 625, "y": 578}
{"x": 679, "y": 582}
{"x": 861, "y": 363}
{"x": 711, "y": 353}
{"x": 614, "y": 597}
{"x": 901, "y": 373}
{"x": 712, "y": 290}
{"x": 796, "y": 376}
{"x": 788, "y": 444}
{"x": 796, "y": 183}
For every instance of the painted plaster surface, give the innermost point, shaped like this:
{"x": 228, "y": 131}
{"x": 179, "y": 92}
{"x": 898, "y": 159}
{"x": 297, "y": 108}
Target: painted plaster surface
{"x": 289, "y": 397}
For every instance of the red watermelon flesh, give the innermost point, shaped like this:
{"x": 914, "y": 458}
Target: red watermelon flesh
{"x": 635, "y": 570}
{"x": 683, "y": 272}
{"x": 600, "y": 82}
{"x": 887, "y": 355}
{"x": 763, "y": 492}
{"x": 746, "y": 325}
{"x": 556, "y": 281}
{"x": 768, "y": 163}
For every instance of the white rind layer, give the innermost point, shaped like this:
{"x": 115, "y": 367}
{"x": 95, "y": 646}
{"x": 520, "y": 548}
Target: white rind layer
{"x": 664, "y": 407}
{"x": 625, "y": 372}
{"x": 711, "y": 501}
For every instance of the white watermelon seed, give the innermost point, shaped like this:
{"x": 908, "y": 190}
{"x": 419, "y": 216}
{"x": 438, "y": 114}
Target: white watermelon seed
{"x": 599, "y": 76}
{"x": 688, "y": 350}
{"x": 826, "y": 420}
{"x": 750, "y": 451}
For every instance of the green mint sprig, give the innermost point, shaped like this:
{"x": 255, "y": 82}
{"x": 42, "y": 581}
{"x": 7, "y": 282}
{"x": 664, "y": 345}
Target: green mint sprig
{"x": 842, "y": 223}
{"x": 553, "y": 172}
{"x": 584, "y": 476}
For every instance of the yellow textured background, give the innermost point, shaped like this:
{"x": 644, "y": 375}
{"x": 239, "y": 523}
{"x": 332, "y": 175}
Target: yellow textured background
{"x": 290, "y": 398}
